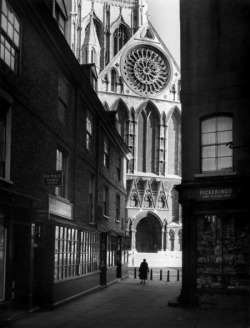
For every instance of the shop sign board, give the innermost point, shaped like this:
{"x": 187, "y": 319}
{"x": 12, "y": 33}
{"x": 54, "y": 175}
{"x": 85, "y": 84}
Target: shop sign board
{"x": 210, "y": 193}
{"x": 60, "y": 207}
{"x": 217, "y": 193}
{"x": 53, "y": 179}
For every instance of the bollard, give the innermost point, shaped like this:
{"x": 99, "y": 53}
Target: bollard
{"x": 178, "y": 275}
{"x": 151, "y": 274}
{"x": 135, "y": 273}
{"x": 161, "y": 274}
{"x": 168, "y": 276}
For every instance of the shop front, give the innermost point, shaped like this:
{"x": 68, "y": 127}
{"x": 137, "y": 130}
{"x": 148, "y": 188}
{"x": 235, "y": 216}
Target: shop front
{"x": 216, "y": 241}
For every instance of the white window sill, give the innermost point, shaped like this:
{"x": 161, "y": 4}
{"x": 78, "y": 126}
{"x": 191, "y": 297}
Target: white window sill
{"x": 6, "y": 180}
{"x": 106, "y": 217}
{"x": 117, "y": 221}
{"x": 214, "y": 174}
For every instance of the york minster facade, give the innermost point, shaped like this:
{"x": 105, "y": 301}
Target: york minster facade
{"x": 139, "y": 84}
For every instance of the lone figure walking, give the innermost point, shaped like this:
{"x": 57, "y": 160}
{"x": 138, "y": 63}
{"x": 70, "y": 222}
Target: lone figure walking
{"x": 143, "y": 271}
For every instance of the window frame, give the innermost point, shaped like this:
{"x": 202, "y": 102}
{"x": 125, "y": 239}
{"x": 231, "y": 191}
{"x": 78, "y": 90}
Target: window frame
{"x": 216, "y": 144}
{"x": 77, "y": 252}
{"x": 63, "y": 101}
{"x": 61, "y": 191}
{"x": 14, "y": 47}
{"x": 91, "y": 197}
{"x": 106, "y": 152}
{"x": 89, "y": 131}
{"x": 6, "y": 114}
{"x": 105, "y": 209}
{"x": 118, "y": 208}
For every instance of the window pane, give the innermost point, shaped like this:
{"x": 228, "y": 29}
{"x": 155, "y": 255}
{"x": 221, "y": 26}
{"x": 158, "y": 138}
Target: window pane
{"x": 16, "y": 38}
{"x": 16, "y": 25}
{"x": 208, "y": 138}
{"x": 224, "y": 151}
{"x": 224, "y": 137}
{"x": 208, "y": 164}
{"x": 4, "y": 23}
{"x": 209, "y": 125}
{"x": 4, "y": 7}
{"x": 224, "y": 123}
{"x": 10, "y": 31}
{"x": 209, "y": 151}
{"x": 225, "y": 163}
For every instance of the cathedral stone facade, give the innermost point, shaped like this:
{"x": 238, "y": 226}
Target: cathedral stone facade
{"x": 139, "y": 83}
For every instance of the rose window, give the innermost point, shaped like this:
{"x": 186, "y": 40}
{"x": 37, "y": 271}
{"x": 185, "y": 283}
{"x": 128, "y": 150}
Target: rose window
{"x": 146, "y": 70}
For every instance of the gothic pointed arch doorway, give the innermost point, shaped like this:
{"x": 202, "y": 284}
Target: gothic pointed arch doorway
{"x": 148, "y": 234}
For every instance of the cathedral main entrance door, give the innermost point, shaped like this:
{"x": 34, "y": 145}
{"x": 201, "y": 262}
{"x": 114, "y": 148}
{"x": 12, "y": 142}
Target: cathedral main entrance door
{"x": 148, "y": 236}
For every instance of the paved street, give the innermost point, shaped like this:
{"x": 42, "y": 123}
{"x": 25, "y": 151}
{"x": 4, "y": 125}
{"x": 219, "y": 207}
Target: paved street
{"x": 130, "y": 304}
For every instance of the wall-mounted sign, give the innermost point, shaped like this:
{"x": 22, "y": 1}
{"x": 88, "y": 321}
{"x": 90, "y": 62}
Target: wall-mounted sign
{"x": 209, "y": 194}
{"x": 53, "y": 179}
{"x": 41, "y": 214}
{"x": 215, "y": 193}
{"x": 59, "y": 207}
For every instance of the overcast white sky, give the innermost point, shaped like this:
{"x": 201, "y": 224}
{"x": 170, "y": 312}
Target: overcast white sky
{"x": 164, "y": 15}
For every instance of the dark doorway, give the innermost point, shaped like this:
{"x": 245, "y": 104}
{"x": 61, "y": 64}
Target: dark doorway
{"x": 21, "y": 265}
{"x": 148, "y": 236}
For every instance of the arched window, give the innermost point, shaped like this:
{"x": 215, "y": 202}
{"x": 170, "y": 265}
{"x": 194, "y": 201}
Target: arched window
{"x": 85, "y": 56}
{"x": 141, "y": 159}
{"x": 147, "y": 138}
{"x": 121, "y": 121}
{"x": 120, "y": 38}
{"x": 216, "y": 134}
{"x": 93, "y": 55}
{"x": 113, "y": 81}
{"x": 173, "y": 146}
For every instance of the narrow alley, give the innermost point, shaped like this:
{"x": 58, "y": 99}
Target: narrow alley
{"x": 130, "y": 304}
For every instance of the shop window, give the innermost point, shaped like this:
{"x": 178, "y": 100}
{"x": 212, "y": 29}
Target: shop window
{"x": 112, "y": 251}
{"x": 125, "y": 245}
{"x": 10, "y": 36}
{"x": 5, "y": 139}
{"x": 89, "y": 252}
{"x": 106, "y": 152}
{"x": 61, "y": 166}
{"x": 76, "y": 253}
{"x": 66, "y": 253}
{"x": 223, "y": 252}
{"x": 216, "y": 134}
{"x": 89, "y": 131}
{"x": 63, "y": 99}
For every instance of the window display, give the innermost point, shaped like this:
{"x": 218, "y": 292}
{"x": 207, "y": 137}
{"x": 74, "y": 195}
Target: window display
{"x": 223, "y": 252}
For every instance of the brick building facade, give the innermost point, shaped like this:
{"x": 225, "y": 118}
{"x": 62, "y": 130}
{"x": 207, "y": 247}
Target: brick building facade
{"x": 215, "y": 142}
{"x": 62, "y": 167}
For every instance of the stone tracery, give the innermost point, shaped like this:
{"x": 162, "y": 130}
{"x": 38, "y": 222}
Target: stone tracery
{"x": 146, "y": 70}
